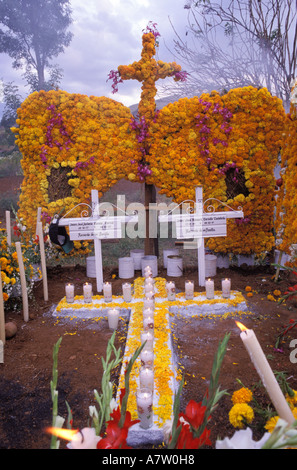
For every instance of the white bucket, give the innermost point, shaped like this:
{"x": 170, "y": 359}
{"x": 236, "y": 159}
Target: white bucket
{"x": 285, "y": 258}
{"x": 174, "y": 266}
{"x": 223, "y": 261}
{"x": 210, "y": 265}
{"x": 91, "y": 268}
{"x": 152, "y": 261}
{"x": 243, "y": 259}
{"x": 137, "y": 255}
{"x": 169, "y": 252}
{"x": 126, "y": 268}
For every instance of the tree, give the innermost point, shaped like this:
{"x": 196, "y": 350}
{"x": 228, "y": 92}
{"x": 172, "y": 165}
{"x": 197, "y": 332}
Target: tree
{"x": 12, "y": 101}
{"x": 33, "y": 32}
{"x": 232, "y": 43}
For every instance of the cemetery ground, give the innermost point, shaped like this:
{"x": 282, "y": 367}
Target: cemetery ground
{"x": 25, "y": 397}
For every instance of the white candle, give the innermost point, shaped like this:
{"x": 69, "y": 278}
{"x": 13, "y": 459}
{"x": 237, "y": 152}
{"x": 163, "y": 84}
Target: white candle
{"x": 209, "y": 287}
{"x": 148, "y": 312}
{"x": 113, "y": 318}
{"x": 147, "y": 357}
{"x": 148, "y": 323}
{"x": 170, "y": 287}
{"x": 189, "y": 290}
{"x": 149, "y": 302}
{"x": 148, "y": 274}
{"x": 87, "y": 289}
{"x": 85, "y": 439}
{"x": 144, "y": 400}
{"x": 150, "y": 294}
{"x": 226, "y": 288}
{"x": 149, "y": 287}
{"x": 69, "y": 291}
{"x": 265, "y": 373}
{"x": 147, "y": 337}
{"x": 146, "y": 377}
{"x": 127, "y": 292}
{"x": 107, "y": 292}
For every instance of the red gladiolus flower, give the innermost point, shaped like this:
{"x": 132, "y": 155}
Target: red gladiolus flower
{"x": 116, "y": 437}
{"x": 194, "y": 414}
{"x": 186, "y": 440}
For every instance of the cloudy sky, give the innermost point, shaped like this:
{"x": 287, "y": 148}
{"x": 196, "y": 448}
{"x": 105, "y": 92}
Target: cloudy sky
{"x": 107, "y": 33}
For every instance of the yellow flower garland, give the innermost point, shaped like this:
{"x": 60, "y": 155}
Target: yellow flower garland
{"x": 93, "y": 150}
{"x": 286, "y": 221}
{"x": 178, "y": 165}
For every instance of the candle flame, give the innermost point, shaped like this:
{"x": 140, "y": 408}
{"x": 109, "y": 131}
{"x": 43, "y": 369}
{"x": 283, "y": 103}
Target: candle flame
{"x": 241, "y": 326}
{"x": 66, "y": 434}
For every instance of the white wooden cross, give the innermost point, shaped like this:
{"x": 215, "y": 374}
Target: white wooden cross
{"x": 97, "y": 227}
{"x": 200, "y": 225}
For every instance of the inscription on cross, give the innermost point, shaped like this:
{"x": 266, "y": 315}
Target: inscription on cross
{"x": 200, "y": 225}
{"x": 97, "y": 227}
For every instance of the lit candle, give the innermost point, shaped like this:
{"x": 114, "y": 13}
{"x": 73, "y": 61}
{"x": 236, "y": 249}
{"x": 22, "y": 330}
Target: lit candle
{"x": 146, "y": 377}
{"x": 144, "y": 400}
{"x": 87, "y": 289}
{"x": 170, "y": 287}
{"x": 149, "y": 280}
{"x": 127, "y": 292}
{"x": 226, "y": 288}
{"x": 149, "y": 287}
{"x": 107, "y": 292}
{"x": 148, "y": 323}
{"x": 113, "y": 318}
{"x": 265, "y": 373}
{"x": 147, "y": 337}
{"x": 150, "y": 294}
{"x": 148, "y": 274}
{"x": 84, "y": 439}
{"x": 147, "y": 357}
{"x": 149, "y": 302}
{"x": 209, "y": 287}
{"x": 189, "y": 290}
{"x": 69, "y": 291}
{"x": 148, "y": 312}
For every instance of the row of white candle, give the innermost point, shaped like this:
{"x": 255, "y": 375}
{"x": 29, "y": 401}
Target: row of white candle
{"x": 149, "y": 291}
{"x": 144, "y": 395}
{"x": 107, "y": 292}
{"x": 209, "y": 289}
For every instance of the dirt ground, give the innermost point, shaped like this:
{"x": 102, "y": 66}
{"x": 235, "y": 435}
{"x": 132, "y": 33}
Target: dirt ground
{"x": 25, "y": 399}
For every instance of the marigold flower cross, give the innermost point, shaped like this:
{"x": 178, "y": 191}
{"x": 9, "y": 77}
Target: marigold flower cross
{"x": 148, "y": 71}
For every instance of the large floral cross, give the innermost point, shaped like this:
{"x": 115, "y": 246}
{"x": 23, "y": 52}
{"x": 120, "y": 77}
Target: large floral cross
{"x": 148, "y": 71}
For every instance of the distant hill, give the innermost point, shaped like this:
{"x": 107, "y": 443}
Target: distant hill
{"x": 159, "y": 103}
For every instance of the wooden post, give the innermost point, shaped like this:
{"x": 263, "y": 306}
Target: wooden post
{"x": 200, "y": 241}
{"x": 8, "y": 227}
{"x": 23, "y": 281}
{"x": 278, "y": 268}
{"x": 97, "y": 244}
{"x": 2, "y": 315}
{"x": 38, "y": 219}
{"x": 149, "y": 197}
{"x": 43, "y": 261}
